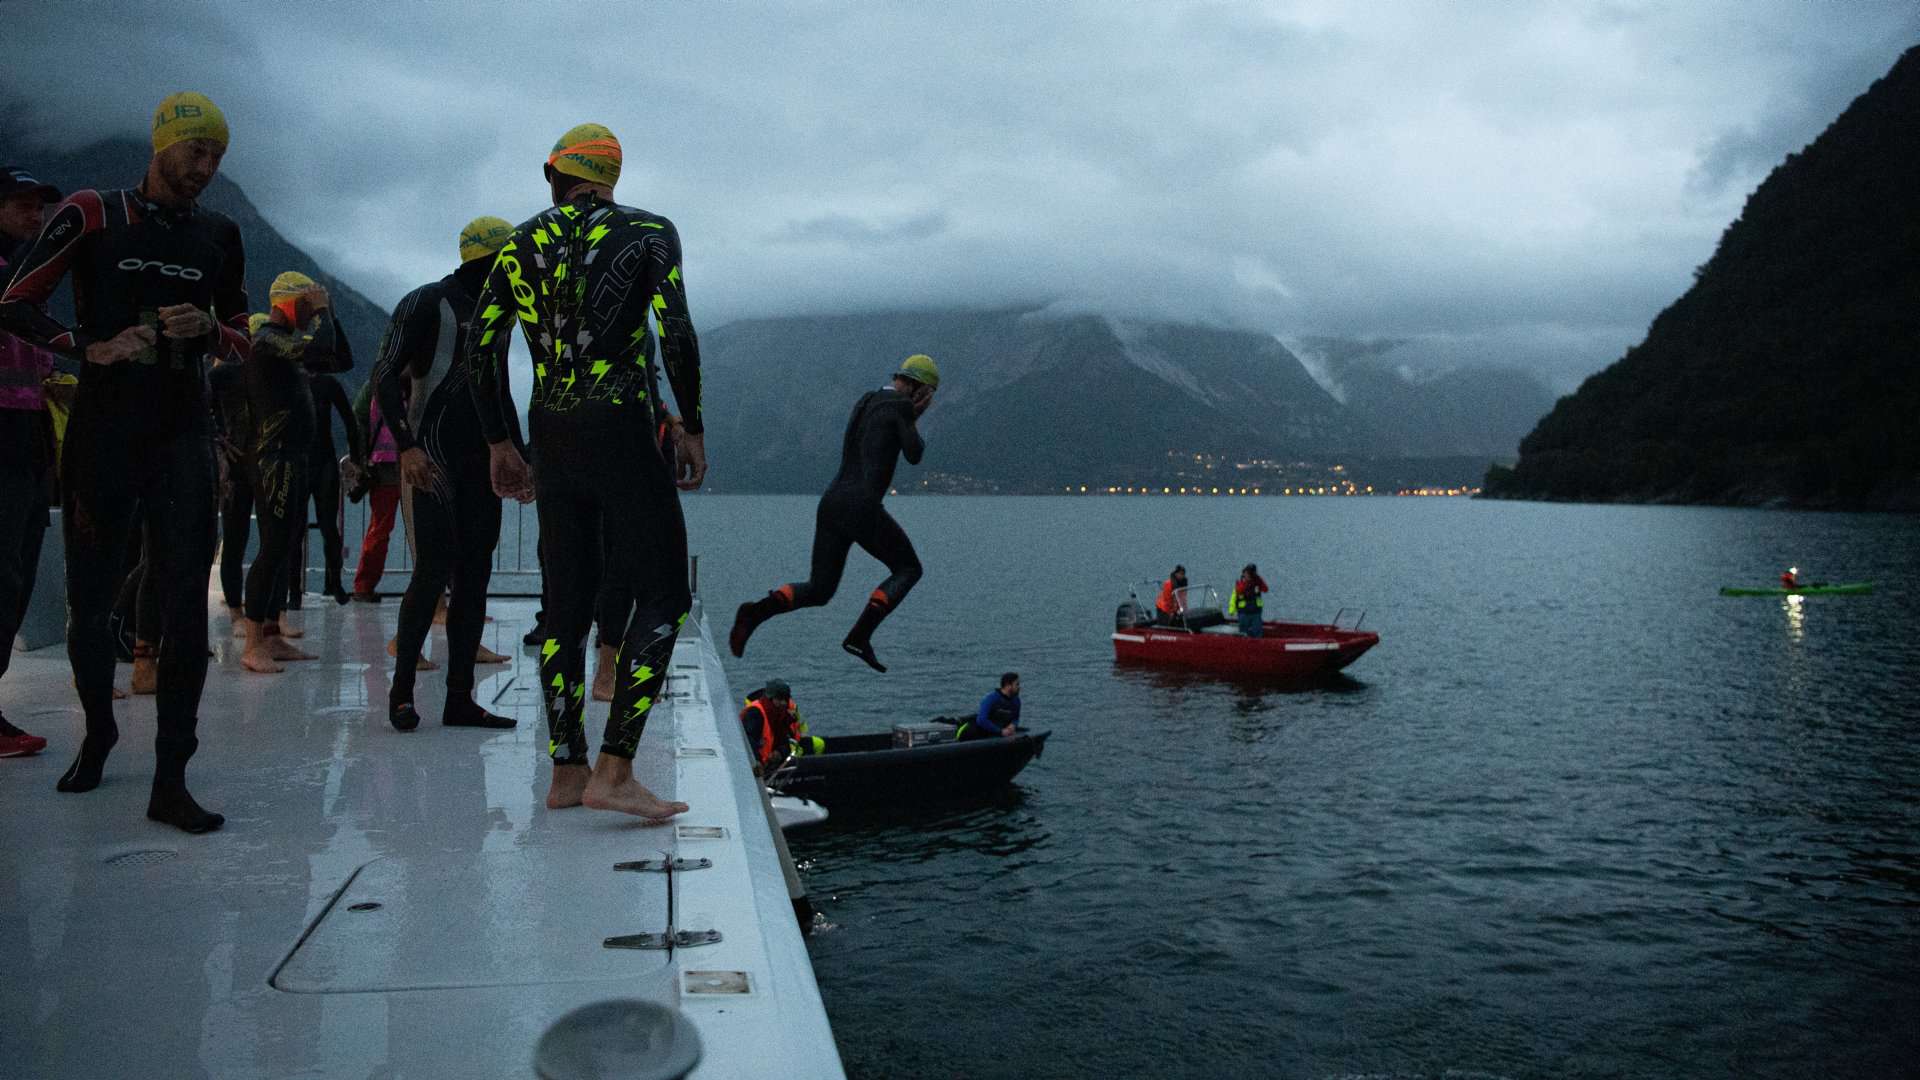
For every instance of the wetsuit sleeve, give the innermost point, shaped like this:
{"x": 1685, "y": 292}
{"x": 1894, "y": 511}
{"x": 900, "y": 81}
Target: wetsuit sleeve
{"x": 406, "y": 352}
{"x": 362, "y": 412}
{"x": 230, "y": 300}
{"x": 23, "y": 304}
{"x": 679, "y": 346}
{"x": 984, "y": 717}
{"x": 908, "y": 433}
{"x": 490, "y": 339}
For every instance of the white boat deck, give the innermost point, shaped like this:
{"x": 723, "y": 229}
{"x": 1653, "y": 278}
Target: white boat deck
{"x": 128, "y": 948}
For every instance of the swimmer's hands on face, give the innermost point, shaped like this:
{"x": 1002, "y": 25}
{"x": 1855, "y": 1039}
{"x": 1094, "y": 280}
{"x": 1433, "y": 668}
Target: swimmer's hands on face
{"x": 512, "y": 479}
{"x": 922, "y": 400}
{"x": 124, "y": 345}
{"x": 309, "y": 303}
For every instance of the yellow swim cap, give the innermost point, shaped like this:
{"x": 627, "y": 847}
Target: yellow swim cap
{"x": 284, "y": 294}
{"x": 483, "y": 236}
{"x": 921, "y": 369}
{"x": 588, "y": 152}
{"x": 188, "y": 115}
{"x": 291, "y": 283}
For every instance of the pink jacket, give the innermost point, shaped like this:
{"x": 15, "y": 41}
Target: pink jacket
{"x": 384, "y": 448}
{"x": 22, "y": 367}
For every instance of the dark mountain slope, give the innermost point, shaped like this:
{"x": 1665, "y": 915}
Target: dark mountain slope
{"x": 1790, "y": 371}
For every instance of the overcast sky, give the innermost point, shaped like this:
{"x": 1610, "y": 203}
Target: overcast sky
{"x": 1520, "y": 183}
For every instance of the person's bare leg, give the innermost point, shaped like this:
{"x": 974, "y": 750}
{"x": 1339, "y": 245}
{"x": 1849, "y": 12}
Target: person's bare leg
{"x": 612, "y": 787}
{"x": 256, "y": 656}
{"x": 146, "y": 669}
{"x": 279, "y": 647}
{"x": 569, "y": 786}
{"x": 603, "y": 666}
{"x": 239, "y": 618}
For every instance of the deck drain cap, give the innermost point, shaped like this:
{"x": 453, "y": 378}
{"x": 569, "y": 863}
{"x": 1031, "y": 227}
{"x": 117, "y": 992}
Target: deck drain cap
{"x": 618, "y": 1040}
{"x": 716, "y": 982}
{"x": 142, "y": 857}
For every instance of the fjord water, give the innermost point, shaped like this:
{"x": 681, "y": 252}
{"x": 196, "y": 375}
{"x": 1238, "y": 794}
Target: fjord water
{"x": 1576, "y": 815}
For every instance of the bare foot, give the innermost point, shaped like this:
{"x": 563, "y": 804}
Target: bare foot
{"x": 257, "y": 657}
{"x": 290, "y": 630}
{"x": 239, "y": 619}
{"x": 614, "y": 788}
{"x": 484, "y": 655}
{"x": 569, "y": 786}
{"x": 424, "y": 664}
{"x": 280, "y": 648}
{"x": 146, "y": 675}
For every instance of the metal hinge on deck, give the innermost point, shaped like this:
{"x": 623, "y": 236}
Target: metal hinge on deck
{"x": 679, "y": 939}
{"x": 664, "y": 866}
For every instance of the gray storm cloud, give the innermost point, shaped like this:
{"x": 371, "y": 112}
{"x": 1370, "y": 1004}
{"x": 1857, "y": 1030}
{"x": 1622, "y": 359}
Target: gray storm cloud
{"x": 1533, "y": 180}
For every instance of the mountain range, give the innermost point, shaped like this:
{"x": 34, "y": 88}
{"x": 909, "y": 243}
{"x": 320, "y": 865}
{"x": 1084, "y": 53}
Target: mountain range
{"x": 1032, "y": 400}
{"x": 1035, "y": 401}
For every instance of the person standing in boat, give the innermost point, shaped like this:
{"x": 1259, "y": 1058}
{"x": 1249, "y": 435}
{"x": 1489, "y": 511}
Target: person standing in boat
{"x": 884, "y": 427}
{"x": 999, "y": 713}
{"x": 1173, "y": 597}
{"x": 1246, "y": 603}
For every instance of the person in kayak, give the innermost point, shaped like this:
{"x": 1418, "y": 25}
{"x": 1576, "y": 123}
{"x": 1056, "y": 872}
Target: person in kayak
{"x": 999, "y": 713}
{"x": 1173, "y": 600}
{"x": 884, "y": 427}
{"x": 1246, "y": 603}
{"x": 1791, "y": 579}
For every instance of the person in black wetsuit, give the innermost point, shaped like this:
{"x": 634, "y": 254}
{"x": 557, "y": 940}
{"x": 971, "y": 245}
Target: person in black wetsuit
{"x": 158, "y": 285}
{"x": 323, "y": 476}
{"x": 883, "y": 427}
{"x": 299, "y": 335}
{"x": 421, "y": 382}
{"x": 233, "y": 451}
{"x": 581, "y": 279}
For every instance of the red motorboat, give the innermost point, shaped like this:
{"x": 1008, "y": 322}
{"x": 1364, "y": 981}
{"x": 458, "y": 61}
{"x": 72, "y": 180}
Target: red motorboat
{"x": 1200, "y": 639}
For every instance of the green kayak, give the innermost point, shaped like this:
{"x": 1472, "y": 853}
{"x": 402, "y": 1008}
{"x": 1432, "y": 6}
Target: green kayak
{"x": 1854, "y": 589}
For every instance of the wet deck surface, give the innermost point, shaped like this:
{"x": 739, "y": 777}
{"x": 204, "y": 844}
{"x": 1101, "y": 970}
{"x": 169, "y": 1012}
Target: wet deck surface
{"x": 131, "y": 948}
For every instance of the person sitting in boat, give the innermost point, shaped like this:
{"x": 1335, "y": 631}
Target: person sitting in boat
{"x": 1173, "y": 597}
{"x": 800, "y": 742}
{"x": 1246, "y": 603}
{"x": 999, "y": 714}
{"x": 1791, "y": 579}
{"x": 768, "y": 721}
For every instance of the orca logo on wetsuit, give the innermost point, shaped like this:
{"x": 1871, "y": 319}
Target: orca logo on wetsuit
{"x": 184, "y": 273}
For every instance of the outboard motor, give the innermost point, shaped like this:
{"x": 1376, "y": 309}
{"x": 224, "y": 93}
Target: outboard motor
{"x": 1132, "y": 614}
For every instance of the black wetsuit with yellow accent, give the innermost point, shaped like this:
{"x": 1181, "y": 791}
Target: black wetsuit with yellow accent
{"x": 590, "y": 282}
{"x": 138, "y": 437}
{"x": 280, "y": 404}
